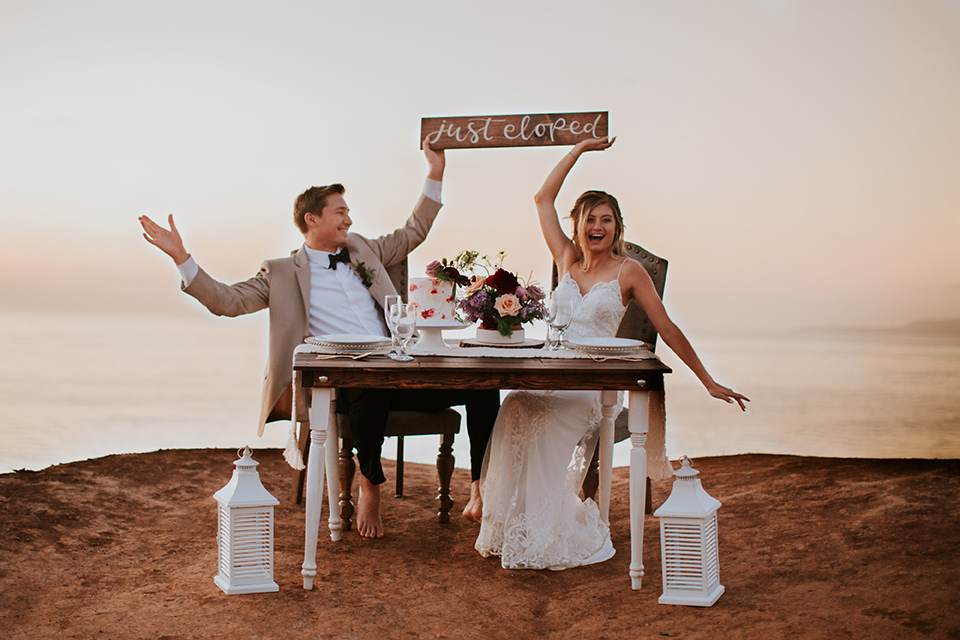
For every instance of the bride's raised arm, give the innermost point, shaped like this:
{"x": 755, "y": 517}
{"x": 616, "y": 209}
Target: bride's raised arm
{"x": 561, "y": 248}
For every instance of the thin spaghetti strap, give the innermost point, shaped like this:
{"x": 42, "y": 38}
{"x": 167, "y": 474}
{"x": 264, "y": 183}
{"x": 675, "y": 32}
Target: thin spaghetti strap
{"x": 621, "y": 269}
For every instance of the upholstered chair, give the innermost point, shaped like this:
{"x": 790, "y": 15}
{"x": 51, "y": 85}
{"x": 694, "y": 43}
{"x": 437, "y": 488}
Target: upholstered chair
{"x": 636, "y": 325}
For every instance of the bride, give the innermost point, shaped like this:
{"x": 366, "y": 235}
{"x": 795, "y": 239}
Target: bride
{"x": 533, "y": 517}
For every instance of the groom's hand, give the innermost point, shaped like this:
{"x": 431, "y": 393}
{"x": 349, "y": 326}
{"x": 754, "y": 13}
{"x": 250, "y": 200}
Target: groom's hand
{"x": 436, "y": 159}
{"x": 167, "y": 240}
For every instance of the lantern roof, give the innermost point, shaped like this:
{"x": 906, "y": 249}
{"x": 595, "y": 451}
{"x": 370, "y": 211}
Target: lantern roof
{"x": 688, "y": 498}
{"x": 245, "y": 488}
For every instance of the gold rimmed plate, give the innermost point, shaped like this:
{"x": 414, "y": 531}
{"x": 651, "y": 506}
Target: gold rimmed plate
{"x": 606, "y": 346}
{"x": 350, "y": 342}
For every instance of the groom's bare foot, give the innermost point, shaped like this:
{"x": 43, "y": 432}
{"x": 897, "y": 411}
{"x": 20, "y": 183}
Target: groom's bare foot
{"x": 369, "y": 524}
{"x": 474, "y": 509}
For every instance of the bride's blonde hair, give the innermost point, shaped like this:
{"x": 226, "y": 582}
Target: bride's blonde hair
{"x": 587, "y": 202}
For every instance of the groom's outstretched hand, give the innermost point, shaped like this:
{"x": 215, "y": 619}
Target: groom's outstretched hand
{"x": 436, "y": 159}
{"x": 167, "y": 240}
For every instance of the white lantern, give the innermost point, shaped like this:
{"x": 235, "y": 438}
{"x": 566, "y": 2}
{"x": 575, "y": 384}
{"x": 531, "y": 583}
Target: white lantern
{"x": 688, "y": 542}
{"x": 245, "y": 532}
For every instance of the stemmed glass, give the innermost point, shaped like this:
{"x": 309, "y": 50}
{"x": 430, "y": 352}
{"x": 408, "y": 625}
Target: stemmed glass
{"x": 559, "y": 313}
{"x": 405, "y": 317}
{"x": 388, "y": 303}
{"x": 549, "y": 313}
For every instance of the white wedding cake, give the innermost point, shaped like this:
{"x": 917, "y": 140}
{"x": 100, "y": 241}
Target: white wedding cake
{"x": 432, "y": 299}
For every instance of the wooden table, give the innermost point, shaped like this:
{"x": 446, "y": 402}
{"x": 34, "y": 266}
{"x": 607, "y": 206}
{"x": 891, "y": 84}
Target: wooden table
{"x": 321, "y": 376}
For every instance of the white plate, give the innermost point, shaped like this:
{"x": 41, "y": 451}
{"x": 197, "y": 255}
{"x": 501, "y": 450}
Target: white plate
{"x": 377, "y": 350}
{"x": 350, "y": 341}
{"x": 605, "y": 346}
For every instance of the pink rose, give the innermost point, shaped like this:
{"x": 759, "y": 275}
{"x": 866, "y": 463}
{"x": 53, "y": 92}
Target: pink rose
{"x": 475, "y": 285}
{"x": 507, "y": 305}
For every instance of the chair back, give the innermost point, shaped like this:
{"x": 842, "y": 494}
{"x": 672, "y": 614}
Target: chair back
{"x": 398, "y": 274}
{"x": 635, "y": 323}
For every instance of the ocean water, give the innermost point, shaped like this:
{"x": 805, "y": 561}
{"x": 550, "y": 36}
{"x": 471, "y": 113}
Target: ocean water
{"x": 78, "y": 386}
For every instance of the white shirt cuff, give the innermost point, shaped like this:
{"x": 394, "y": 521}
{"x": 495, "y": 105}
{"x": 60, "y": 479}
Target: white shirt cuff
{"x": 432, "y": 188}
{"x": 188, "y": 271}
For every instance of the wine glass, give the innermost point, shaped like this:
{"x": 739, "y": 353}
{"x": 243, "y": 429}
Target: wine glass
{"x": 560, "y": 312}
{"x": 406, "y": 318}
{"x": 549, "y": 314}
{"x": 388, "y": 302}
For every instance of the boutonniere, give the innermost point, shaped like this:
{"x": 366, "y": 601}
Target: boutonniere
{"x": 366, "y": 275}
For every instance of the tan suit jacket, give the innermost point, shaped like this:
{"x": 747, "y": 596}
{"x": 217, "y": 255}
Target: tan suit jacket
{"x": 283, "y": 287}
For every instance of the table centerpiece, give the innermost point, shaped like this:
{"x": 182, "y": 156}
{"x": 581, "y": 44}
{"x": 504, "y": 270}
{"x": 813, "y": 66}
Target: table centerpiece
{"x": 492, "y": 296}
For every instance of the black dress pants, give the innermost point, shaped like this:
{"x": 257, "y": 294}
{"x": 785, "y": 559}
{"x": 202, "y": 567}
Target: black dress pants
{"x": 368, "y": 409}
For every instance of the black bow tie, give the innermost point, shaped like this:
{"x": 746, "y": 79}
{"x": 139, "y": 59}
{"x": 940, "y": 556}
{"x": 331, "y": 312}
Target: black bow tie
{"x": 343, "y": 256}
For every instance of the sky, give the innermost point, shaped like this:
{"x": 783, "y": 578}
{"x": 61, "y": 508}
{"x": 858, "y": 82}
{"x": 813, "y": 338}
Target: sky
{"x": 798, "y": 163}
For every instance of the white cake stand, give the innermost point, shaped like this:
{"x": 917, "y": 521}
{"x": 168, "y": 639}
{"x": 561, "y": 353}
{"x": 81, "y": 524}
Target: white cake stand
{"x": 431, "y": 333}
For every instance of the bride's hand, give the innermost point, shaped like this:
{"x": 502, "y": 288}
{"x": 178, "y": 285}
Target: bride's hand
{"x": 593, "y": 144}
{"x": 728, "y": 395}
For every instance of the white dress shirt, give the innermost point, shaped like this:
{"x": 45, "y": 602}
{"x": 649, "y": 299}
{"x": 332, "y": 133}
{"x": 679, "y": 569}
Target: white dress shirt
{"x": 339, "y": 303}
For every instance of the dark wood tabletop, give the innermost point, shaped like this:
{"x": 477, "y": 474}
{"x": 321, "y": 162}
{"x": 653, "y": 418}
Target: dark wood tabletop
{"x": 438, "y": 372}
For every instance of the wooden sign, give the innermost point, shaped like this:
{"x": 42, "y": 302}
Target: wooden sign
{"x": 531, "y": 130}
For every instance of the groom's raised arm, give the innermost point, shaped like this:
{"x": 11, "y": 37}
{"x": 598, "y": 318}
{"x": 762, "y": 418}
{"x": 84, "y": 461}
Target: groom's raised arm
{"x": 394, "y": 247}
{"x": 437, "y": 161}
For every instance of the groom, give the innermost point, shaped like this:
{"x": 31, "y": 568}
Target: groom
{"x": 336, "y": 283}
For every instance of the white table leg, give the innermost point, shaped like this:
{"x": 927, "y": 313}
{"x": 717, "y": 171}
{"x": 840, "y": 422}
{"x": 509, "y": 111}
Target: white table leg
{"x": 319, "y": 423}
{"x": 608, "y": 400}
{"x": 638, "y": 424}
{"x": 333, "y": 473}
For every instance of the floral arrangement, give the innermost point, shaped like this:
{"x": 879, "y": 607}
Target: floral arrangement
{"x": 497, "y": 298}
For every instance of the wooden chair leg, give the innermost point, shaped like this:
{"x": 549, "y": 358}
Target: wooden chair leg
{"x": 399, "y": 492}
{"x": 299, "y": 475}
{"x": 591, "y": 481}
{"x": 445, "y": 463}
{"x": 348, "y": 468}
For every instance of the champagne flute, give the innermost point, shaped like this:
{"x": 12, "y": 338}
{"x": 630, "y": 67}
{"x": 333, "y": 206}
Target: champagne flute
{"x": 388, "y": 303}
{"x": 561, "y": 312}
{"x": 406, "y": 318}
{"x": 549, "y": 314}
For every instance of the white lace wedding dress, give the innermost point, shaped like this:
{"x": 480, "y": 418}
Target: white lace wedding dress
{"x": 537, "y": 458}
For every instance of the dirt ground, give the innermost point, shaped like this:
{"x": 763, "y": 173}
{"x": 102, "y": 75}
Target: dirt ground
{"x": 125, "y": 547}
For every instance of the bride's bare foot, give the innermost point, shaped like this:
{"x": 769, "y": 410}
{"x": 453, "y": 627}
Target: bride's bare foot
{"x": 369, "y": 524}
{"x": 474, "y": 509}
